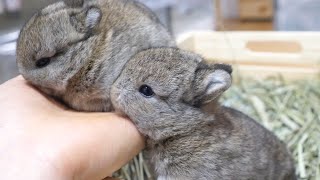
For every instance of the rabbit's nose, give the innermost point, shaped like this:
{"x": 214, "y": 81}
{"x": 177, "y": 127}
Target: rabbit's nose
{"x": 114, "y": 93}
{"x": 119, "y": 97}
{"x": 116, "y": 96}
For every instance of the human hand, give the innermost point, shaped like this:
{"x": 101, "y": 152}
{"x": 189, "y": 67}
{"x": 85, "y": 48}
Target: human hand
{"x": 40, "y": 139}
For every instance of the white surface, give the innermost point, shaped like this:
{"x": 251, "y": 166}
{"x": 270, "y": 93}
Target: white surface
{"x": 8, "y": 48}
{"x": 13, "y": 5}
{"x": 298, "y": 15}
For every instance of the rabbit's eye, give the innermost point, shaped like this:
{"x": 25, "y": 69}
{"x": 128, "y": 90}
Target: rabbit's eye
{"x": 146, "y": 91}
{"x": 42, "y": 62}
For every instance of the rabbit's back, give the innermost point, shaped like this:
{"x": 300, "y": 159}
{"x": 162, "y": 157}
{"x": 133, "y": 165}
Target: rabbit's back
{"x": 232, "y": 147}
{"x": 270, "y": 156}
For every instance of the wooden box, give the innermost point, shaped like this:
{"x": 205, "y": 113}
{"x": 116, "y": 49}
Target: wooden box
{"x": 256, "y": 9}
{"x": 244, "y": 15}
{"x": 293, "y": 55}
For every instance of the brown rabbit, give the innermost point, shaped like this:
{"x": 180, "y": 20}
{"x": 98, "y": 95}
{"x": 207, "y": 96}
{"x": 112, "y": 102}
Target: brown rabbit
{"x": 163, "y": 92}
{"x": 74, "y": 50}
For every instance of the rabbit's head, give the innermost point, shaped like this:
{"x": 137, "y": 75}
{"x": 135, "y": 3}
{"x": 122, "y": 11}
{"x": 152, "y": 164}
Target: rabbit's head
{"x": 161, "y": 83}
{"x": 75, "y": 49}
{"x": 55, "y": 44}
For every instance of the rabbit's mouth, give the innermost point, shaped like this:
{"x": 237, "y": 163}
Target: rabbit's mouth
{"x": 117, "y": 101}
{"x": 49, "y": 91}
{"x": 121, "y": 113}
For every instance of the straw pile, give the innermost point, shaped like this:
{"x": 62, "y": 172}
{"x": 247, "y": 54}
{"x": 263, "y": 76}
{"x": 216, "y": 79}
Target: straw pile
{"x": 290, "y": 110}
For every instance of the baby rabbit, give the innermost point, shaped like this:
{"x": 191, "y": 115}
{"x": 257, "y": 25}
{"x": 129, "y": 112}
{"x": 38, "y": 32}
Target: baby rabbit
{"x": 163, "y": 91}
{"x": 74, "y": 49}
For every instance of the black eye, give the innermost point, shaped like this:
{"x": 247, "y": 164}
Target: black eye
{"x": 146, "y": 91}
{"x": 42, "y": 62}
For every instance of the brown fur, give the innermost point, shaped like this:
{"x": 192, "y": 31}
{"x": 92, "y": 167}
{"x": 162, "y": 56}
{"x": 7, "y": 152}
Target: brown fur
{"x": 186, "y": 139}
{"x": 88, "y": 43}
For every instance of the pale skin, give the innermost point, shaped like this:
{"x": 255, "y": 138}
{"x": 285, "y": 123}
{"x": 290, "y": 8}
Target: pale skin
{"x": 41, "y": 139}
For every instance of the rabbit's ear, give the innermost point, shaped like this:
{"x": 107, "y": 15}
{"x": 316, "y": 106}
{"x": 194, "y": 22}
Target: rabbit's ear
{"x": 74, "y": 3}
{"x": 93, "y": 17}
{"x": 87, "y": 19}
{"x": 210, "y": 82}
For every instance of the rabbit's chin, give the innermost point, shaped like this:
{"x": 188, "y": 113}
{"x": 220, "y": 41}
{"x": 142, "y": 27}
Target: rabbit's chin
{"x": 122, "y": 114}
{"x": 50, "y": 92}
{"x": 89, "y": 105}
{"x": 118, "y": 110}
